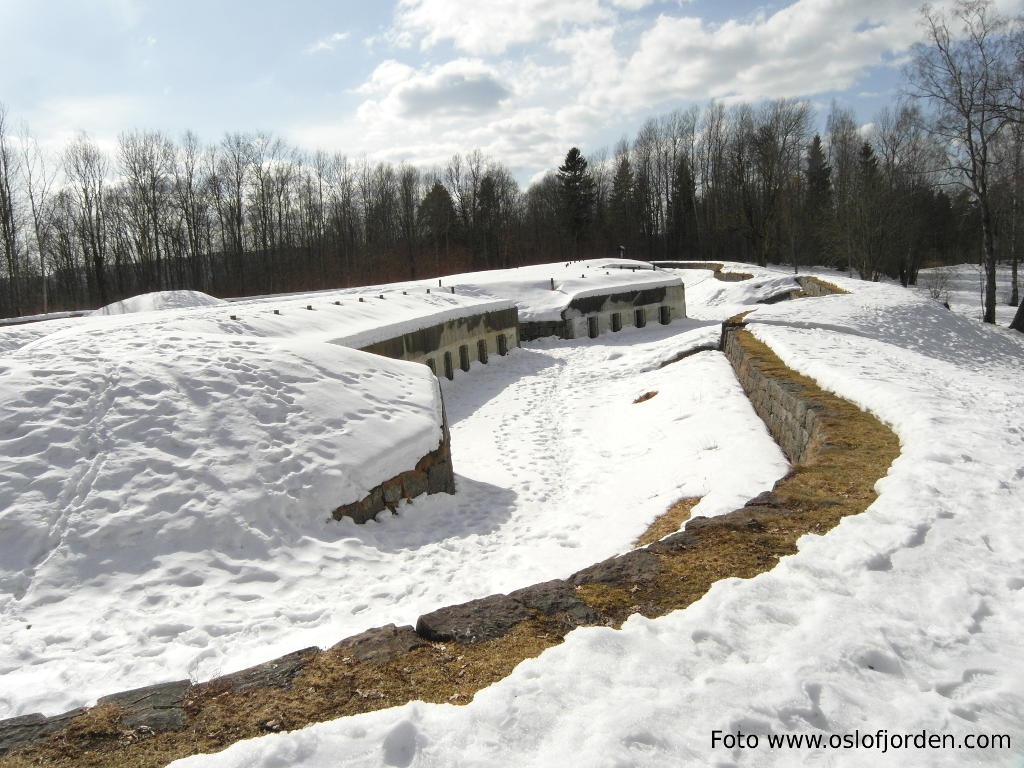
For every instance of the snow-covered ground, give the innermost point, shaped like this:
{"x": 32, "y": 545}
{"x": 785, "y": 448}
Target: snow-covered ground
{"x": 906, "y": 618}
{"x": 190, "y": 535}
{"x": 963, "y": 286}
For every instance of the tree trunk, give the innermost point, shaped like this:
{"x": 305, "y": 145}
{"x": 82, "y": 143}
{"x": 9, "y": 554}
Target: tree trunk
{"x": 1018, "y": 319}
{"x": 990, "y": 263}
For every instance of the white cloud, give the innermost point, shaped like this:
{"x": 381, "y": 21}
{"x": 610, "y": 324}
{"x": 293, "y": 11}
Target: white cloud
{"x": 809, "y": 47}
{"x": 504, "y": 23}
{"x": 547, "y": 75}
{"x": 327, "y": 43}
{"x": 459, "y": 87}
{"x": 388, "y": 74}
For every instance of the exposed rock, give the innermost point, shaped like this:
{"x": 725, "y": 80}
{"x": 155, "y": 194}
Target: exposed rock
{"x": 433, "y": 474}
{"x": 381, "y": 643}
{"x": 159, "y": 707}
{"x": 414, "y": 483}
{"x": 631, "y": 568}
{"x": 392, "y": 490}
{"x": 674, "y": 543}
{"x": 18, "y": 732}
{"x": 278, "y": 673}
{"x": 748, "y": 518}
{"x": 551, "y": 598}
{"x": 483, "y": 619}
{"x": 439, "y": 478}
{"x": 766, "y": 499}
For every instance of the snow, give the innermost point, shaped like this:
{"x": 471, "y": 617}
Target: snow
{"x": 906, "y": 617}
{"x": 168, "y": 478}
{"x": 160, "y": 300}
{"x": 531, "y": 286}
{"x": 963, "y": 285}
{"x": 360, "y": 318}
{"x": 192, "y": 459}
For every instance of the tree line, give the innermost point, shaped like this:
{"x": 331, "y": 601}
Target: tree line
{"x": 934, "y": 178}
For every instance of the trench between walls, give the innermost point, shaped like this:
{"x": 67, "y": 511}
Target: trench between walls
{"x": 838, "y": 452}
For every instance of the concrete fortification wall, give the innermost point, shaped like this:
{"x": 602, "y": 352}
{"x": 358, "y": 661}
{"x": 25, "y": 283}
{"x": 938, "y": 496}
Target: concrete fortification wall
{"x": 592, "y": 316}
{"x": 455, "y": 343}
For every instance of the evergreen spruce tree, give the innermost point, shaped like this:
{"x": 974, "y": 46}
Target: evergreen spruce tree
{"x": 438, "y": 220}
{"x": 622, "y": 205}
{"x": 577, "y": 197}
{"x": 682, "y": 213}
{"x": 818, "y": 216}
{"x": 868, "y": 214}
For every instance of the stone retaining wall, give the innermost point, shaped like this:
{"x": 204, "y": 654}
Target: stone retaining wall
{"x": 792, "y": 418}
{"x": 432, "y": 474}
{"x": 815, "y": 286}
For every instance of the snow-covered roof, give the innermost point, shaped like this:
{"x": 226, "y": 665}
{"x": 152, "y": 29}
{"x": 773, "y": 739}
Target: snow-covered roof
{"x": 140, "y": 437}
{"x": 337, "y": 317}
{"x": 530, "y": 287}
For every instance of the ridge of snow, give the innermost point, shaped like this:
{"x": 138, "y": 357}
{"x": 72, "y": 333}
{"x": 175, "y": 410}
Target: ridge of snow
{"x": 160, "y": 301}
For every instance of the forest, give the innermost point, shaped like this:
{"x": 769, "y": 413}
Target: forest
{"x": 925, "y": 182}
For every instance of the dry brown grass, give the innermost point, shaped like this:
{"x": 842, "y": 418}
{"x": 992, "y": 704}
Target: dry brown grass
{"x": 332, "y": 686}
{"x": 644, "y": 397}
{"x": 669, "y": 521}
{"x": 852, "y": 451}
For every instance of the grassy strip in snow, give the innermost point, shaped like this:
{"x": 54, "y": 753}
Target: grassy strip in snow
{"x": 669, "y": 521}
{"x": 848, "y": 453}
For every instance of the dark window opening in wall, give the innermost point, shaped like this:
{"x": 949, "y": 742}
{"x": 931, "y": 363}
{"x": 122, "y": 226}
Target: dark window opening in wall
{"x": 502, "y": 344}
{"x": 640, "y": 317}
{"x": 666, "y": 314}
{"x": 449, "y": 372}
{"x": 592, "y": 327}
{"x": 616, "y": 322}
{"x": 464, "y": 357}
{"x": 432, "y": 365}
{"x": 481, "y": 350}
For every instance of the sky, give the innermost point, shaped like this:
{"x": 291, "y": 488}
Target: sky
{"x": 418, "y": 80}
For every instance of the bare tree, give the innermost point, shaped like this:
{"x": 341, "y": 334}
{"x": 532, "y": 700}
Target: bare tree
{"x": 147, "y": 159}
{"x": 86, "y": 168}
{"x": 39, "y": 179}
{"x": 10, "y": 220}
{"x": 965, "y": 72}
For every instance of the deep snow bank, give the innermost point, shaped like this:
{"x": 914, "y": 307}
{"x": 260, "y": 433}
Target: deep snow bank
{"x": 158, "y": 300}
